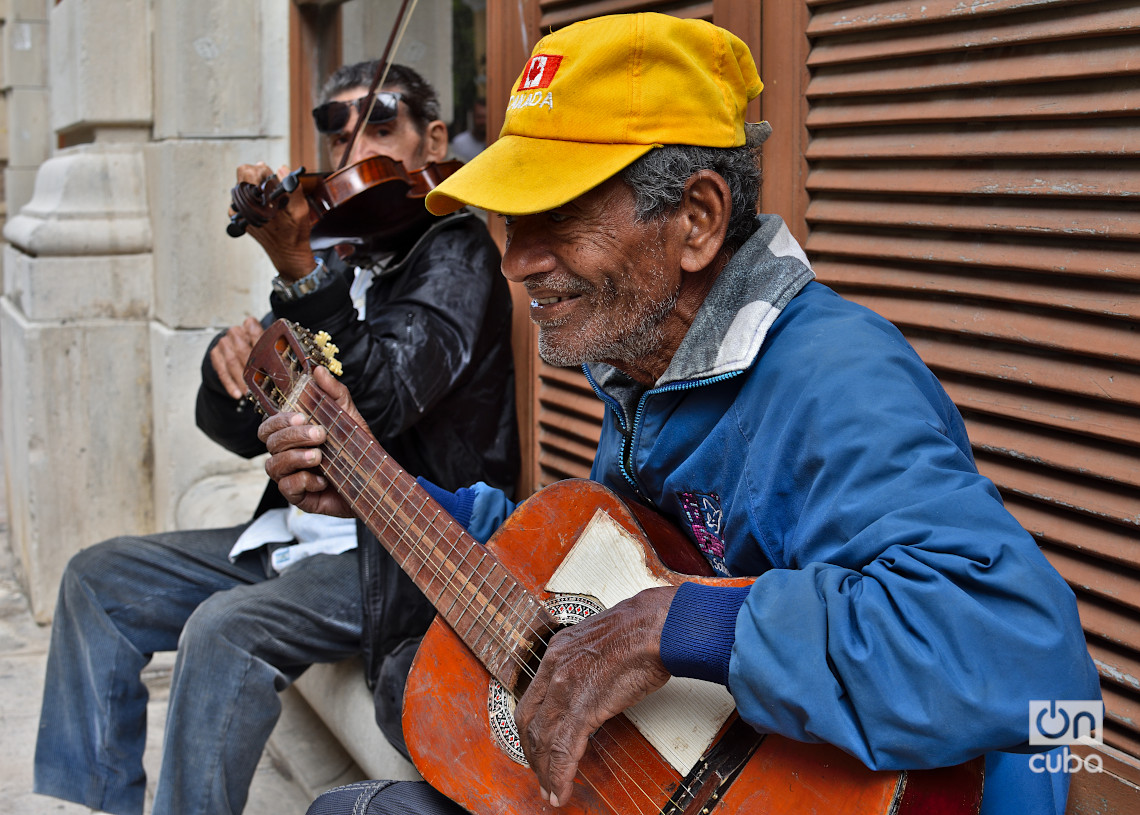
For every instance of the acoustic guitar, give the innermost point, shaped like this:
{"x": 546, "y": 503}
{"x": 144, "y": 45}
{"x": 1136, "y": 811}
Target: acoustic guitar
{"x": 571, "y": 550}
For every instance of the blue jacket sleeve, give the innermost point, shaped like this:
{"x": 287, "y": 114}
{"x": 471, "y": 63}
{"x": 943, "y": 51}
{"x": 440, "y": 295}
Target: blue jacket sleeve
{"x": 907, "y": 604}
{"x": 480, "y": 508}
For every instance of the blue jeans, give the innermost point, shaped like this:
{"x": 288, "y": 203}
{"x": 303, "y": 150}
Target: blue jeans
{"x": 241, "y": 638}
{"x": 385, "y": 798}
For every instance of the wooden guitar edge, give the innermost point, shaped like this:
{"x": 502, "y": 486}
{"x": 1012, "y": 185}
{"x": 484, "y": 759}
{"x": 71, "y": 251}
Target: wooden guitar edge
{"x": 944, "y": 791}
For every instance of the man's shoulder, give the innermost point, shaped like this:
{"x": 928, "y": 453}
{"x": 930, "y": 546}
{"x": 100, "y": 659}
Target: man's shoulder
{"x": 819, "y": 319}
{"x": 829, "y": 344}
{"x": 458, "y": 235}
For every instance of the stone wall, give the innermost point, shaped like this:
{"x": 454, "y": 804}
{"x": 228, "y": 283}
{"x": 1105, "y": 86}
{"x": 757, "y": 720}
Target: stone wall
{"x": 118, "y": 270}
{"x": 25, "y": 138}
{"x": 126, "y": 119}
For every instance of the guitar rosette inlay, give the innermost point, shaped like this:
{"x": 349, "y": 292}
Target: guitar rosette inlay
{"x": 567, "y": 609}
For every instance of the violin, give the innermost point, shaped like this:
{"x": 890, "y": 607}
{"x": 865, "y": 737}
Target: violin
{"x": 376, "y": 203}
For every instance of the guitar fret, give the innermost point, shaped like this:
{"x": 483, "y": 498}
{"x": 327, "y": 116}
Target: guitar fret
{"x": 498, "y": 588}
{"x": 489, "y": 608}
{"x": 372, "y": 472}
{"x": 423, "y": 562}
{"x": 426, "y": 556}
{"x": 466, "y": 583}
{"x": 446, "y": 561}
{"x": 529, "y": 603}
{"x": 457, "y": 568}
{"x": 354, "y": 469}
{"x": 411, "y": 549}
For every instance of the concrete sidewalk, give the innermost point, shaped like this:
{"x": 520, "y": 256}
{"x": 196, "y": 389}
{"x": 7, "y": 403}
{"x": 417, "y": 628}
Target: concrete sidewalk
{"x": 23, "y": 653}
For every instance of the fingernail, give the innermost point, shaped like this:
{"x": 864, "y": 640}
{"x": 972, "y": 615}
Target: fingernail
{"x": 311, "y": 456}
{"x": 314, "y": 433}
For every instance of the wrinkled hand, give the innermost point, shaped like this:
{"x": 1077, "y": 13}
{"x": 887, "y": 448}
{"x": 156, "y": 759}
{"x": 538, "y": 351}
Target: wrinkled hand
{"x": 231, "y": 353}
{"x": 285, "y": 238}
{"x": 293, "y": 441}
{"x": 591, "y": 672}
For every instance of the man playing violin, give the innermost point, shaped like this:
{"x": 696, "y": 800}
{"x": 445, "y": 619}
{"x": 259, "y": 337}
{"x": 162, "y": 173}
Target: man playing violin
{"x": 423, "y": 329}
{"x": 899, "y": 612}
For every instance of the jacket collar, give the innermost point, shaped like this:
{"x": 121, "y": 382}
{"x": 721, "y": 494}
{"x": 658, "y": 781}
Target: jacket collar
{"x": 729, "y": 329}
{"x": 394, "y": 264}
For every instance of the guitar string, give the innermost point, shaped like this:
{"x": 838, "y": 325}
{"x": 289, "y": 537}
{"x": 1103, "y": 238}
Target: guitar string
{"x": 451, "y": 527}
{"x": 620, "y": 721}
{"x": 337, "y": 460}
{"x": 601, "y": 752}
{"x": 604, "y": 755}
{"x": 429, "y": 525}
{"x": 390, "y": 517}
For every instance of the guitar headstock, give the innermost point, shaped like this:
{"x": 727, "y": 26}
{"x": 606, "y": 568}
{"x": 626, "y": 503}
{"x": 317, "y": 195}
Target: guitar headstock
{"x": 282, "y": 357}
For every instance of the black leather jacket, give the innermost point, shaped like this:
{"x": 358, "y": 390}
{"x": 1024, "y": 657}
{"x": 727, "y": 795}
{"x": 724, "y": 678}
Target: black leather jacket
{"x": 431, "y": 371}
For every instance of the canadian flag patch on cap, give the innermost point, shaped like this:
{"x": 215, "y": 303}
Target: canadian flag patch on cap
{"x": 539, "y": 72}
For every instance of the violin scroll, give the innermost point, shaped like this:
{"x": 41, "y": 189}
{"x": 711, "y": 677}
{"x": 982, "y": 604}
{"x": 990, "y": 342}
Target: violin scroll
{"x": 254, "y": 204}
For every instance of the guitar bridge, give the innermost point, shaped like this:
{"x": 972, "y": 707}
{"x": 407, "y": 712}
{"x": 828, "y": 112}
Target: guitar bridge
{"x": 700, "y": 791}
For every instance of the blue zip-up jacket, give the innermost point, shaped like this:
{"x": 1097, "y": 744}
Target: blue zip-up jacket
{"x": 900, "y": 612}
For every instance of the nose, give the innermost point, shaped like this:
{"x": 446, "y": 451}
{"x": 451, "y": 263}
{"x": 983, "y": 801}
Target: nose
{"x": 361, "y": 149}
{"x": 527, "y": 250}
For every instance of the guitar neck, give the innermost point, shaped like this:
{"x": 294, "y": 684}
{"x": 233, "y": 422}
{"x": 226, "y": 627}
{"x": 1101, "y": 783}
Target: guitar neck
{"x": 482, "y": 602}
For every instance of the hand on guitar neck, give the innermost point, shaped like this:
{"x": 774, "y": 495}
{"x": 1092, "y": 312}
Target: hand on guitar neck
{"x": 293, "y": 442}
{"x": 590, "y": 672}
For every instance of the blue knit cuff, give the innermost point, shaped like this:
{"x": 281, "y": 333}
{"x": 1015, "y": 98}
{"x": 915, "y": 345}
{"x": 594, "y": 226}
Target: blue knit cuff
{"x": 700, "y": 631}
{"x": 456, "y": 504}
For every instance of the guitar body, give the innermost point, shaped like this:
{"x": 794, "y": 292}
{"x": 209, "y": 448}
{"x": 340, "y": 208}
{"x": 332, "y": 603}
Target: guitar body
{"x": 448, "y": 729}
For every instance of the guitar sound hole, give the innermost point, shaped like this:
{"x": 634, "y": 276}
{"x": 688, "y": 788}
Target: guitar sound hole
{"x": 567, "y": 609}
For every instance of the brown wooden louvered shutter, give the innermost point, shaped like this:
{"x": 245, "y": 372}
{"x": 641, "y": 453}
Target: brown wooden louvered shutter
{"x": 974, "y": 176}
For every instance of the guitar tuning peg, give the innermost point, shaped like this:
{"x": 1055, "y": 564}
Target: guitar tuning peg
{"x": 329, "y": 351}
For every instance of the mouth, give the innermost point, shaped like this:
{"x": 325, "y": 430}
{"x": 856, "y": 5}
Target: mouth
{"x": 552, "y": 308}
{"x": 549, "y": 301}
{"x": 553, "y": 297}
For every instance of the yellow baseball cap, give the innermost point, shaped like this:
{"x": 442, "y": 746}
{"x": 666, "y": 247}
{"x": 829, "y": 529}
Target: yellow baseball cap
{"x": 596, "y": 96}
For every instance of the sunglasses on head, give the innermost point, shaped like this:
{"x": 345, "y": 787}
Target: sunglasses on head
{"x": 331, "y": 117}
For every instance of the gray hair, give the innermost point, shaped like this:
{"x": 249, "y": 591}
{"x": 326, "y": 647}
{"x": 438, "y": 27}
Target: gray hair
{"x": 658, "y": 181}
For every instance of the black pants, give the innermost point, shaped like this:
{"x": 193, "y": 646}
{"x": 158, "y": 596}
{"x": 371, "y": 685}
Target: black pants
{"x": 385, "y": 798}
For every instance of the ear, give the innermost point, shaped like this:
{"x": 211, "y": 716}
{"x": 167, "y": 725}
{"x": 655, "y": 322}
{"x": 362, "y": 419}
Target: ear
{"x": 435, "y": 141}
{"x": 703, "y": 218}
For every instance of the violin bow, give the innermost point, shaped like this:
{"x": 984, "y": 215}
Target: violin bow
{"x": 403, "y": 16}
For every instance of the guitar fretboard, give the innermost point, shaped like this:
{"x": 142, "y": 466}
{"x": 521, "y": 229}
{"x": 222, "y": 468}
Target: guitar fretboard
{"x": 485, "y": 606}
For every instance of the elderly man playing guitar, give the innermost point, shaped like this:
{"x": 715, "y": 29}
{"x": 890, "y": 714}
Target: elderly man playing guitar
{"x": 898, "y": 612}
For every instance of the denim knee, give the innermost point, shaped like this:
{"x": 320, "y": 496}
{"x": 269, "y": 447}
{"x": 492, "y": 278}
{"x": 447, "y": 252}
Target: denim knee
{"x": 222, "y": 616}
{"x": 87, "y": 567}
{"x": 96, "y": 559}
